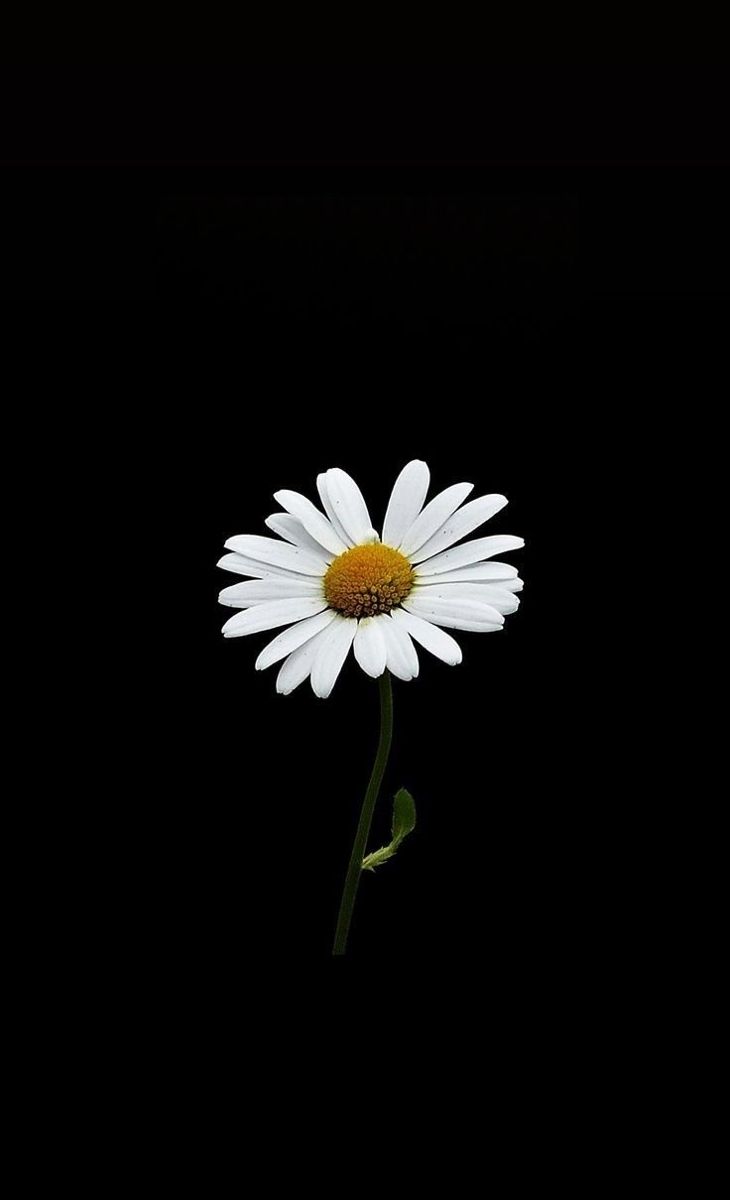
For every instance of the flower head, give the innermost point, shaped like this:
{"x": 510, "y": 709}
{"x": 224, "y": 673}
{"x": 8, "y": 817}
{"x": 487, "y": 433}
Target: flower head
{"x": 335, "y": 584}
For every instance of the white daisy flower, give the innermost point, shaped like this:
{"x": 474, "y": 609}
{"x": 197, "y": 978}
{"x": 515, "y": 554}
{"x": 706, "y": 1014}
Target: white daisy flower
{"x": 330, "y": 578}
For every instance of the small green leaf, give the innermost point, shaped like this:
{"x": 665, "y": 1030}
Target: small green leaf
{"x": 404, "y": 822}
{"x": 404, "y": 815}
{"x": 378, "y": 857}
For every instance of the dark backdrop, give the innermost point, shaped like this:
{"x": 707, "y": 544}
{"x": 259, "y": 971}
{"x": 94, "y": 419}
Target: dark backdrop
{"x": 512, "y": 329}
{"x": 243, "y": 329}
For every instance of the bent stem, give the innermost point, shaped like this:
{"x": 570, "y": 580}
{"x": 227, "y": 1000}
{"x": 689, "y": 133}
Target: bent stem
{"x": 354, "y": 870}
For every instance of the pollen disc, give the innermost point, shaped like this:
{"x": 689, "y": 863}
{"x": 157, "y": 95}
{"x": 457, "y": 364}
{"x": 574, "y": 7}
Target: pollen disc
{"x": 368, "y": 580}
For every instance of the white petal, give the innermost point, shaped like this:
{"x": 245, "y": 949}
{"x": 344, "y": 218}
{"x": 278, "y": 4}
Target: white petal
{"x": 294, "y": 637}
{"x": 511, "y": 585}
{"x": 299, "y": 663}
{"x": 260, "y": 591}
{"x": 268, "y": 616}
{"x": 369, "y": 646}
{"x": 430, "y": 636}
{"x": 349, "y": 505}
{"x": 483, "y": 593}
{"x": 238, "y": 564}
{"x": 486, "y": 571}
{"x": 331, "y": 654}
{"x": 503, "y": 600}
{"x": 406, "y": 501}
{"x": 329, "y": 508}
{"x": 433, "y": 516}
{"x": 472, "y": 552}
{"x": 291, "y": 529}
{"x": 401, "y": 654}
{"x": 455, "y": 614}
{"x": 273, "y": 552}
{"x": 312, "y": 519}
{"x": 466, "y": 520}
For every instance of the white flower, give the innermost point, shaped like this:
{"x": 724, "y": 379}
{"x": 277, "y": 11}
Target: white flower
{"x": 336, "y": 584}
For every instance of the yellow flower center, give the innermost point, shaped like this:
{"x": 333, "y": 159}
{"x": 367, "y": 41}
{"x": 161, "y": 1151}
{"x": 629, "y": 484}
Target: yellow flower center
{"x": 367, "y": 580}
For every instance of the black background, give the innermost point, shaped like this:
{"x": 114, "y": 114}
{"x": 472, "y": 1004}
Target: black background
{"x": 499, "y": 321}
{"x": 224, "y": 329}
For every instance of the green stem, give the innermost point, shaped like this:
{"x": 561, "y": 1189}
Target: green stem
{"x": 354, "y": 870}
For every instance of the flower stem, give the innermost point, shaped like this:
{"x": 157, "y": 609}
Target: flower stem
{"x": 354, "y": 870}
